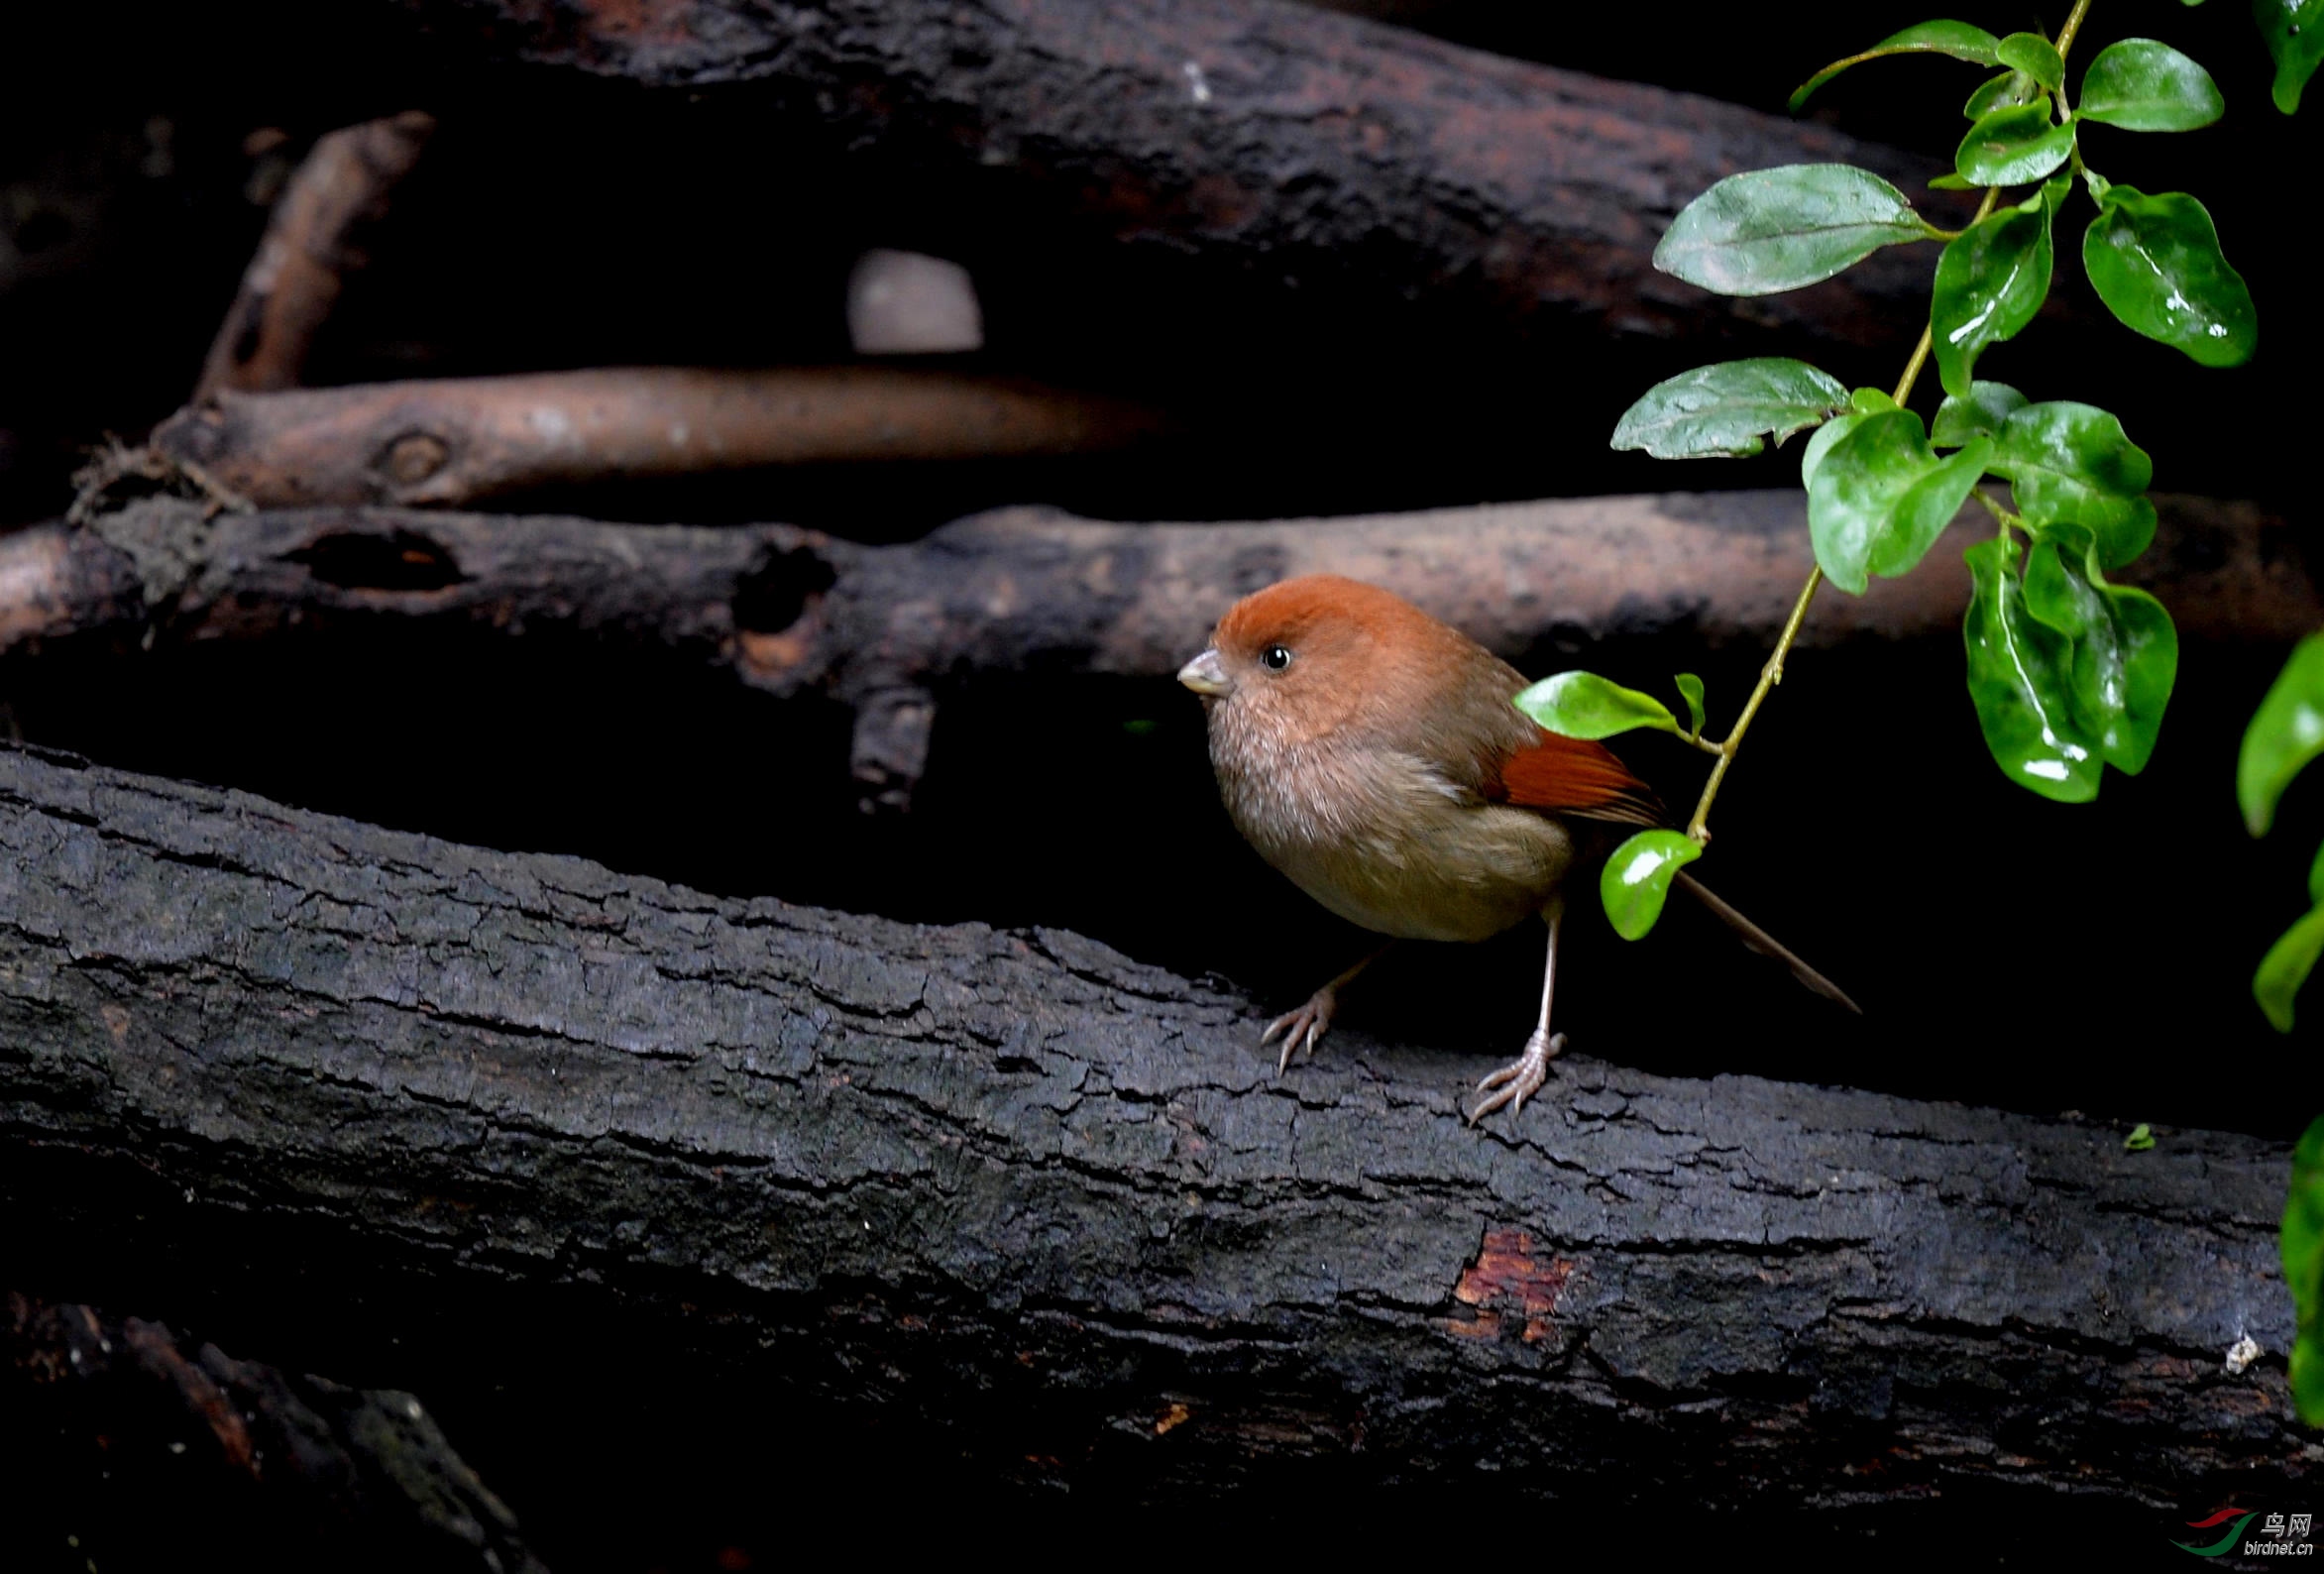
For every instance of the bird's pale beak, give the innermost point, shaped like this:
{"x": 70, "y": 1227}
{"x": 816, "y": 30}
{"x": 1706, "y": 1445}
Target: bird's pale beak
{"x": 1204, "y": 674}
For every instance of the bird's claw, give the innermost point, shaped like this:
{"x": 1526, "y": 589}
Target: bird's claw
{"x": 1521, "y": 1078}
{"x": 1300, "y": 1028}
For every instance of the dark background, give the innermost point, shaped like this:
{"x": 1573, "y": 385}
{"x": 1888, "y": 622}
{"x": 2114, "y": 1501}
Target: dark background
{"x": 2007, "y": 950}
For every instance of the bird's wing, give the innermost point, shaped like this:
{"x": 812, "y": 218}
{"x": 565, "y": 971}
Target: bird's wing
{"x": 1570, "y": 776}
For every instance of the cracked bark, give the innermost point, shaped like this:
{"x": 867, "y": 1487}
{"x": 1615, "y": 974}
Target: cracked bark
{"x": 888, "y": 630}
{"x": 1016, "y": 1185}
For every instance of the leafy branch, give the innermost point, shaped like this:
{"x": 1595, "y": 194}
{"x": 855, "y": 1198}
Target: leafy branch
{"x": 2068, "y": 672}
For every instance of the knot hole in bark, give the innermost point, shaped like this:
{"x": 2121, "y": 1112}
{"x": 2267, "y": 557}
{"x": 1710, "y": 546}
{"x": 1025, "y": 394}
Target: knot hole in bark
{"x": 774, "y": 594}
{"x": 401, "y": 561}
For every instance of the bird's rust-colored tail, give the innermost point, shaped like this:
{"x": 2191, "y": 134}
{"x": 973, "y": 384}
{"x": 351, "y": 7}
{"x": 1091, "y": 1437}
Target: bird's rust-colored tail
{"x": 1767, "y": 944}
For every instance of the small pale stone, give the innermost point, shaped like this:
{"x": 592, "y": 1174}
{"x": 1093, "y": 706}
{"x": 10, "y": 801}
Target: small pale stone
{"x": 2242, "y": 1354}
{"x": 910, "y": 303}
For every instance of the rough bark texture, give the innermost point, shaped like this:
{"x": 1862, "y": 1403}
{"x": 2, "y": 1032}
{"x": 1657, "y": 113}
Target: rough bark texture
{"x": 1270, "y": 138}
{"x": 993, "y": 1175}
{"x": 444, "y": 443}
{"x": 155, "y": 1451}
{"x": 886, "y": 630}
{"x": 310, "y": 246}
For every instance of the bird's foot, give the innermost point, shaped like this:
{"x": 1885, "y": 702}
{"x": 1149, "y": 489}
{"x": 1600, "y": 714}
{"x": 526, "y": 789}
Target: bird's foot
{"x": 1302, "y": 1028}
{"x": 1522, "y": 1078}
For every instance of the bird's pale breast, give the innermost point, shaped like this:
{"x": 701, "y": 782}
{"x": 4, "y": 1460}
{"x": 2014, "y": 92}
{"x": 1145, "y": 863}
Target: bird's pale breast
{"x": 1386, "y": 842}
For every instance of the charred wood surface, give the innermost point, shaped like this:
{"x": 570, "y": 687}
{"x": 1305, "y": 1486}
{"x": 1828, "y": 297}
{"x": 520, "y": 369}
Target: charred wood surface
{"x": 449, "y": 442}
{"x": 151, "y": 1450}
{"x": 1015, "y": 1176}
{"x": 1302, "y": 148}
{"x": 887, "y": 630}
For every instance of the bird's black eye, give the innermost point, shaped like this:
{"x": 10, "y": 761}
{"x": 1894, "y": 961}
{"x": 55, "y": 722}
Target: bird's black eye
{"x": 1276, "y": 658}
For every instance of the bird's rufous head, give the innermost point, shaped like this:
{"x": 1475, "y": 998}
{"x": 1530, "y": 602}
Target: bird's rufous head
{"x": 1304, "y": 653}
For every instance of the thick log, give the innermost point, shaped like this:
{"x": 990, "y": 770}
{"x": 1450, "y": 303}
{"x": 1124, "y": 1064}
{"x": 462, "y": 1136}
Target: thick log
{"x": 311, "y": 245}
{"x": 176, "y": 1455}
{"x": 888, "y": 630}
{"x": 446, "y": 443}
{"x": 1018, "y": 1176}
{"x": 1294, "y": 146}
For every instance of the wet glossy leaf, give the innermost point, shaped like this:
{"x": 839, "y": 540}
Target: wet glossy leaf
{"x": 2156, "y": 262}
{"x": 2010, "y": 88}
{"x": 1990, "y": 281}
{"x": 1637, "y": 879}
{"x": 2123, "y": 650}
{"x": 2019, "y": 680}
{"x": 1585, "y": 705}
{"x": 2072, "y": 464}
{"x": 1831, "y": 432}
{"x": 2302, "y": 1245}
{"x": 2287, "y": 966}
{"x": 1982, "y": 414}
{"x": 1949, "y": 182}
{"x": 1880, "y": 497}
{"x": 2286, "y": 732}
{"x": 2011, "y": 146}
{"x": 1729, "y": 408}
{"x": 2140, "y": 85}
{"x": 2034, "y": 54}
{"x": 1690, "y": 690}
{"x": 1769, "y": 230}
{"x": 2141, "y": 1139}
{"x": 2294, "y": 34}
{"x": 1957, "y": 38}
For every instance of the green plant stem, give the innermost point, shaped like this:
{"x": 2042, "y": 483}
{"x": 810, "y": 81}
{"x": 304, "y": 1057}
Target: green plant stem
{"x": 2073, "y": 25}
{"x": 1772, "y": 674}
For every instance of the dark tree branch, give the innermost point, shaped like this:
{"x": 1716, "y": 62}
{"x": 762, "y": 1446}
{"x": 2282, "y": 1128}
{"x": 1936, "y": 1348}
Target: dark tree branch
{"x": 1013, "y": 1172}
{"x": 888, "y": 630}
{"x": 153, "y": 1452}
{"x": 1288, "y": 143}
{"x": 310, "y": 246}
{"x": 445, "y": 443}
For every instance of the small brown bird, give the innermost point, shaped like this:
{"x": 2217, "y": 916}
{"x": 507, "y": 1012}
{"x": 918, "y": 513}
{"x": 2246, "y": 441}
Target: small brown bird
{"x": 1372, "y": 753}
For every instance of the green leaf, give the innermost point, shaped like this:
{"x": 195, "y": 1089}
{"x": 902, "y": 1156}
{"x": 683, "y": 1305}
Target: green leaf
{"x": 1768, "y": 230}
{"x": 1990, "y": 281}
{"x": 1585, "y": 705}
{"x": 2156, "y": 262}
{"x": 2011, "y": 146}
{"x": 1880, "y": 498}
{"x": 1949, "y": 181}
{"x": 2123, "y": 659}
{"x": 2287, "y": 966}
{"x": 1831, "y": 432}
{"x": 2072, "y": 464}
{"x": 1981, "y": 414}
{"x": 1957, "y": 38}
{"x": 1728, "y": 408}
{"x": 2286, "y": 732}
{"x": 2316, "y": 879}
{"x": 1690, "y": 690}
{"x": 2140, "y": 85}
{"x": 2019, "y": 680}
{"x": 2141, "y": 1139}
{"x": 2293, "y": 31}
{"x": 2034, "y": 54}
{"x": 1637, "y": 879}
{"x": 2000, "y": 92}
{"x": 2302, "y": 1243}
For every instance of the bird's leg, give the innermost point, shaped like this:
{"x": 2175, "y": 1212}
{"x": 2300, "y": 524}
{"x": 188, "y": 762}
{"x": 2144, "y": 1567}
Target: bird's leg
{"x": 1302, "y": 1027}
{"x": 1522, "y": 1078}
